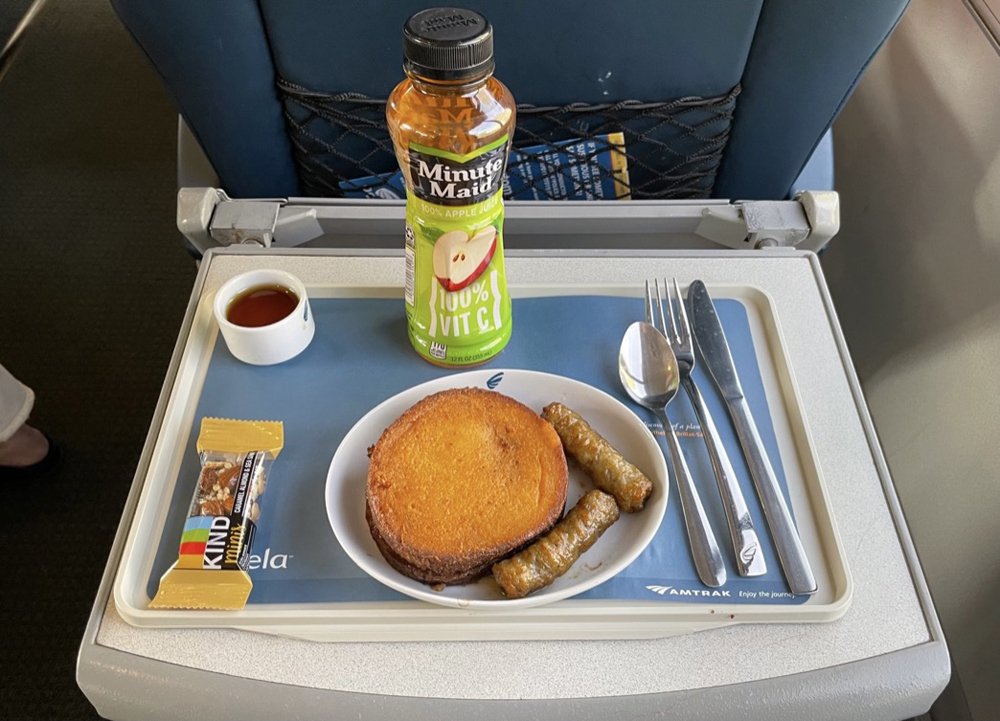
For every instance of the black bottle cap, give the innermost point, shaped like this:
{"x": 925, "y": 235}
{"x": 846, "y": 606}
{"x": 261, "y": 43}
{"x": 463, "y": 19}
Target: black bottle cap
{"x": 448, "y": 44}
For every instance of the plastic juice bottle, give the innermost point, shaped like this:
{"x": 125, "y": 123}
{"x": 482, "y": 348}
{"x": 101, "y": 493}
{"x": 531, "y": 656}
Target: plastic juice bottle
{"x": 451, "y": 123}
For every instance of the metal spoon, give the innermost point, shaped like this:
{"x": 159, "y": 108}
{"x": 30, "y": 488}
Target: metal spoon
{"x": 648, "y": 371}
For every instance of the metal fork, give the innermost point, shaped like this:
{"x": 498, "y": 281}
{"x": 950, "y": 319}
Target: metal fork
{"x": 704, "y": 548}
{"x": 749, "y": 559}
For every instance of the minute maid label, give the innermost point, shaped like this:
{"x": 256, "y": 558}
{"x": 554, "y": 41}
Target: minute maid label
{"x": 457, "y": 305}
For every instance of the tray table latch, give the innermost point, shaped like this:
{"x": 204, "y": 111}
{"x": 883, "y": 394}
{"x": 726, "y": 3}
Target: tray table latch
{"x": 814, "y": 216}
{"x": 208, "y": 217}
{"x": 245, "y": 223}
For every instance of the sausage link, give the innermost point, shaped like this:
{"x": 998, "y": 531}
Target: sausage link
{"x": 551, "y": 556}
{"x": 598, "y": 459}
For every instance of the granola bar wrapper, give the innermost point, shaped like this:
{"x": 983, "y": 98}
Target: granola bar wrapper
{"x": 211, "y": 568}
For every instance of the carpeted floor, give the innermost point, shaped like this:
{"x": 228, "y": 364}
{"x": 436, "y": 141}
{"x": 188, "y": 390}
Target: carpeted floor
{"x": 94, "y": 280}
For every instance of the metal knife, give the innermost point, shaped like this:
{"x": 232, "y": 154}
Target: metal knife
{"x": 719, "y": 361}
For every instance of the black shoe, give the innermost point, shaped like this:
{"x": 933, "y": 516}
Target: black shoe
{"x": 44, "y": 468}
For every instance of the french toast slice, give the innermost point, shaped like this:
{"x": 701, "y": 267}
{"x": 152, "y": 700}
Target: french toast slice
{"x": 461, "y": 480}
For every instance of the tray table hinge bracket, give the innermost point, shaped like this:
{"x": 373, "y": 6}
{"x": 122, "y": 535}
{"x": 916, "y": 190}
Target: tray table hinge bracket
{"x": 247, "y": 222}
{"x": 209, "y": 218}
{"x": 807, "y": 223}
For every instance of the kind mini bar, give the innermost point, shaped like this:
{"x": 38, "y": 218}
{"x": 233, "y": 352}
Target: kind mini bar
{"x": 211, "y": 569}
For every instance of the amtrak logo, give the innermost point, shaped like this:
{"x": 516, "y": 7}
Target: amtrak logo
{"x": 747, "y": 554}
{"x": 494, "y": 381}
{"x": 688, "y": 592}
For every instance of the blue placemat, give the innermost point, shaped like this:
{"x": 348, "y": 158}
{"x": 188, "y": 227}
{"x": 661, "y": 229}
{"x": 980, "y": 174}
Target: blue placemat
{"x": 361, "y": 356}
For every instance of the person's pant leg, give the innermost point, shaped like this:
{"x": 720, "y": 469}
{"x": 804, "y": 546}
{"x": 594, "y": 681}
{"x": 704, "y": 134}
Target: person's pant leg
{"x": 16, "y": 400}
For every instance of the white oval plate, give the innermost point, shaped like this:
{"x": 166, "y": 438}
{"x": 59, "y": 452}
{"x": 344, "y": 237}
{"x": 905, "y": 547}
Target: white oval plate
{"x": 616, "y": 549}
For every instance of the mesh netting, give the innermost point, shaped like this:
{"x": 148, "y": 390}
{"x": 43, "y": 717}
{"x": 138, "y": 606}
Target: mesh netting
{"x": 672, "y": 150}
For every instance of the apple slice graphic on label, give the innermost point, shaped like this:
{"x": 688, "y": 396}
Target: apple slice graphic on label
{"x": 459, "y": 259}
